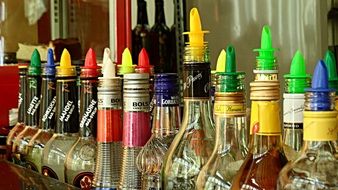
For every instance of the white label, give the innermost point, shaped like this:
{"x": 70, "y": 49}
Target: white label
{"x": 140, "y": 104}
{"x": 293, "y": 111}
{"x": 67, "y": 111}
{"x": 112, "y": 101}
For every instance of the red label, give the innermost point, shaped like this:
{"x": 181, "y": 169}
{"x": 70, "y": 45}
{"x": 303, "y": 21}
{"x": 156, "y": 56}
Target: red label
{"x": 136, "y": 131}
{"x": 46, "y": 171}
{"x": 109, "y": 125}
{"x": 84, "y": 180}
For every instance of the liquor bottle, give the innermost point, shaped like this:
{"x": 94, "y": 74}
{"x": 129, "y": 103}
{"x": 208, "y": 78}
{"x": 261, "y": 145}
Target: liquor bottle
{"x": 266, "y": 157}
{"x": 293, "y": 105}
{"x": 160, "y": 45}
{"x": 20, "y": 125}
{"x": 80, "y": 160}
{"x": 194, "y": 142}
{"x": 317, "y": 167}
{"x": 109, "y": 127}
{"x": 67, "y": 120}
{"x": 165, "y": 125}
{"x": 231, "y": 130}
{"x": 33, "y": 105}
{"x": 220, "y": 67}
{"x": 47, "y": 115}
{"x": 140, "y": 34}
{"x": 136, "y": 123}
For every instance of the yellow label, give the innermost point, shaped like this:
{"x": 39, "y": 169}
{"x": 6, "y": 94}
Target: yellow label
{"x": 320, "y": 126}
{"x": 266, "y": 77}
{"x": 265, "y": 119}
{"x": 223, "y": 107}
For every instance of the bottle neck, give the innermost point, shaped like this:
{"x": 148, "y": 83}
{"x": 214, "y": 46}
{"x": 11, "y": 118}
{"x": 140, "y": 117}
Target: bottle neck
{"x": 33, "y": 100}
{"x": 88, "y": 107}
{"x": 264, "y": 143}
{"x": 142, "y": 16}
{"x": 197, "y": 111}
{"x": 48, "y": 103}
{"x": 159, "y": 12}
{"x": 166, "y": 120}
{"x": 67, "y": 114}
{"x": 22, "y": 97}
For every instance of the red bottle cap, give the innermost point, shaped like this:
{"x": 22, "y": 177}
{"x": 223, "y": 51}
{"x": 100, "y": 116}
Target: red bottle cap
{"x": 90, "y": 69}
{"x": 143, "y": 62}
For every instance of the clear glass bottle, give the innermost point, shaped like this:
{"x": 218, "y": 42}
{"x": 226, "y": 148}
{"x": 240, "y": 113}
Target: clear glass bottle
{"x": 47, "y": 116}
{"x": 166, "y": 122}
{"x": 317, "y": 166}
{"x": 136, "y": 126}
{"x": 231, "y": 129}
{"x": 109, "y": 128}
{"x": 193, "y": 144}
{"x": 80, "y": 160}
{"x": 67, "y": 120}
{"x": 33, "y": 96}
{"x": 19, "y": 126}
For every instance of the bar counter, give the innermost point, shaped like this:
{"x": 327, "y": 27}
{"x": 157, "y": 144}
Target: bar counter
{"x": 14, "y": 177}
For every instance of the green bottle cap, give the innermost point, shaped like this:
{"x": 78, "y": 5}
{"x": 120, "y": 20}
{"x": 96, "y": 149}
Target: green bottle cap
{"x": 35, "y": 65}
{"x": 266, "y": 59}
{"x": 230, "y": 80}
{"x": 297, "y": 80}
{"x": 330, "y": 63}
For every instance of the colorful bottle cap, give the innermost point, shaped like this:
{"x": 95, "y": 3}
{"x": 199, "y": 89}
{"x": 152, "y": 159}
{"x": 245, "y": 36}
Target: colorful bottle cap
{"x": 330, "y": 63}
{"x": 266, "y": 59}
{"x": 35, "y": 65}
{"x": 90, "y": 69}
{"x": 196, "y": 35}
{"x": 127, "y": 63}
{"x": 49, "y": 68}
{"x": 230, "y": 80}
{"x": 65, "y": 69}
{"x": 220, "y": 66}
{"x": 108, "y": 69}
{"x": 297, "y": 80}
{"x": 143, "y": 62}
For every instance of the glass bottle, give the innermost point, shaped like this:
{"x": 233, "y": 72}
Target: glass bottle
{"x": 19, "y": 126}
{"x": 80, "y": 160}
{"x": 165, "y": 125}
{"x": 231, "y": 130}
{"x": 67, "y": 120}
{"x": 293, "y": 105}
{"x": 266, "y": 157}
{"x": 109, "y": 127}
{"x": 140, "y": 34}
{"x": 33, "y": 105}
{"x": 317, "y": 166}
{"x": 136, "y": 123}
{"x": 193, "y": 144}
{"x": 160, "y": 45}
{"x": 47, "y": 116}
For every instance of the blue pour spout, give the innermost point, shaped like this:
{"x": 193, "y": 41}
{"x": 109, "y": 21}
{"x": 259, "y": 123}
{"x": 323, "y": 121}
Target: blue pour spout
{"x": 50, "y": 65}
{"x": 318, "y": 96}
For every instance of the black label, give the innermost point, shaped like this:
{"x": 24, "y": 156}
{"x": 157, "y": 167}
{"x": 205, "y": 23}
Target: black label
{"x": 48, "y": 104}
{"x": 84, "y": 180}
{"x": 196, "y": 78}
{"x": 46, "y": 171}
{"x": 33, "y": 100}
{"x": 32, "y": 166}
{"x": 67, "y": 113}
{"x": 293, "y": 125}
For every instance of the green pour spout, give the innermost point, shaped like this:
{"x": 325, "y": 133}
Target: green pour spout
{"x": 35, "y": 65}
{"x": 330, "y": 63}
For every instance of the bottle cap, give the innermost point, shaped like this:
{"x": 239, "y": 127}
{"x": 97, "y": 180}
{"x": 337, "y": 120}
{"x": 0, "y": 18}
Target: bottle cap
{"x": 330, "y": 63}
{"x": 108, "y": 69}
{"x": 196, "y": 35}
{"x": 297, "y": 80}
{"x": 49, "y": 68}
{"x": 143, "y": 62}
{"x": 127, "y": 63}
{"x": 35, "y": 65}
{"x": 266, "y": 59}
{"x": 65, "y": 69}
{"x": 90, "y": 69}
{"x": 320, "y": 79}
{"x": 220, "y": 66}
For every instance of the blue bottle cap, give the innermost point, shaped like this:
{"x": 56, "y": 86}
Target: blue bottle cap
{"x": 49, "y": 68}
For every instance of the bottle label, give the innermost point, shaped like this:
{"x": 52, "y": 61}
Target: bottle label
{"x": 47, "y": 171}
{"x": 136, "y": 131}
{"x": 196, "y": 78}
{"x": 320, "y": 126}
{"x": 49, "y": 113}
{"x": 226, "y": 108}
{"x": 109, "y": 126}
{"x": 84, "y": 180}
{"x": 166, "y": 100}
{"x": 293, "y": 113}
{"x": 33, "y": 105}
{"x": 136, "y": 104}
{"x": 31, "y": 165}
{"x": 265, "y": 119}
{"x": 89, "y": 118}
{"x": 112, "y": 101}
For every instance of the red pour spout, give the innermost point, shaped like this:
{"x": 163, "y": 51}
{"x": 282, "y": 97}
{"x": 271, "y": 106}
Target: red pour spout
{"x": 90, "y": 69}
{"x": 143, "y": 62}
